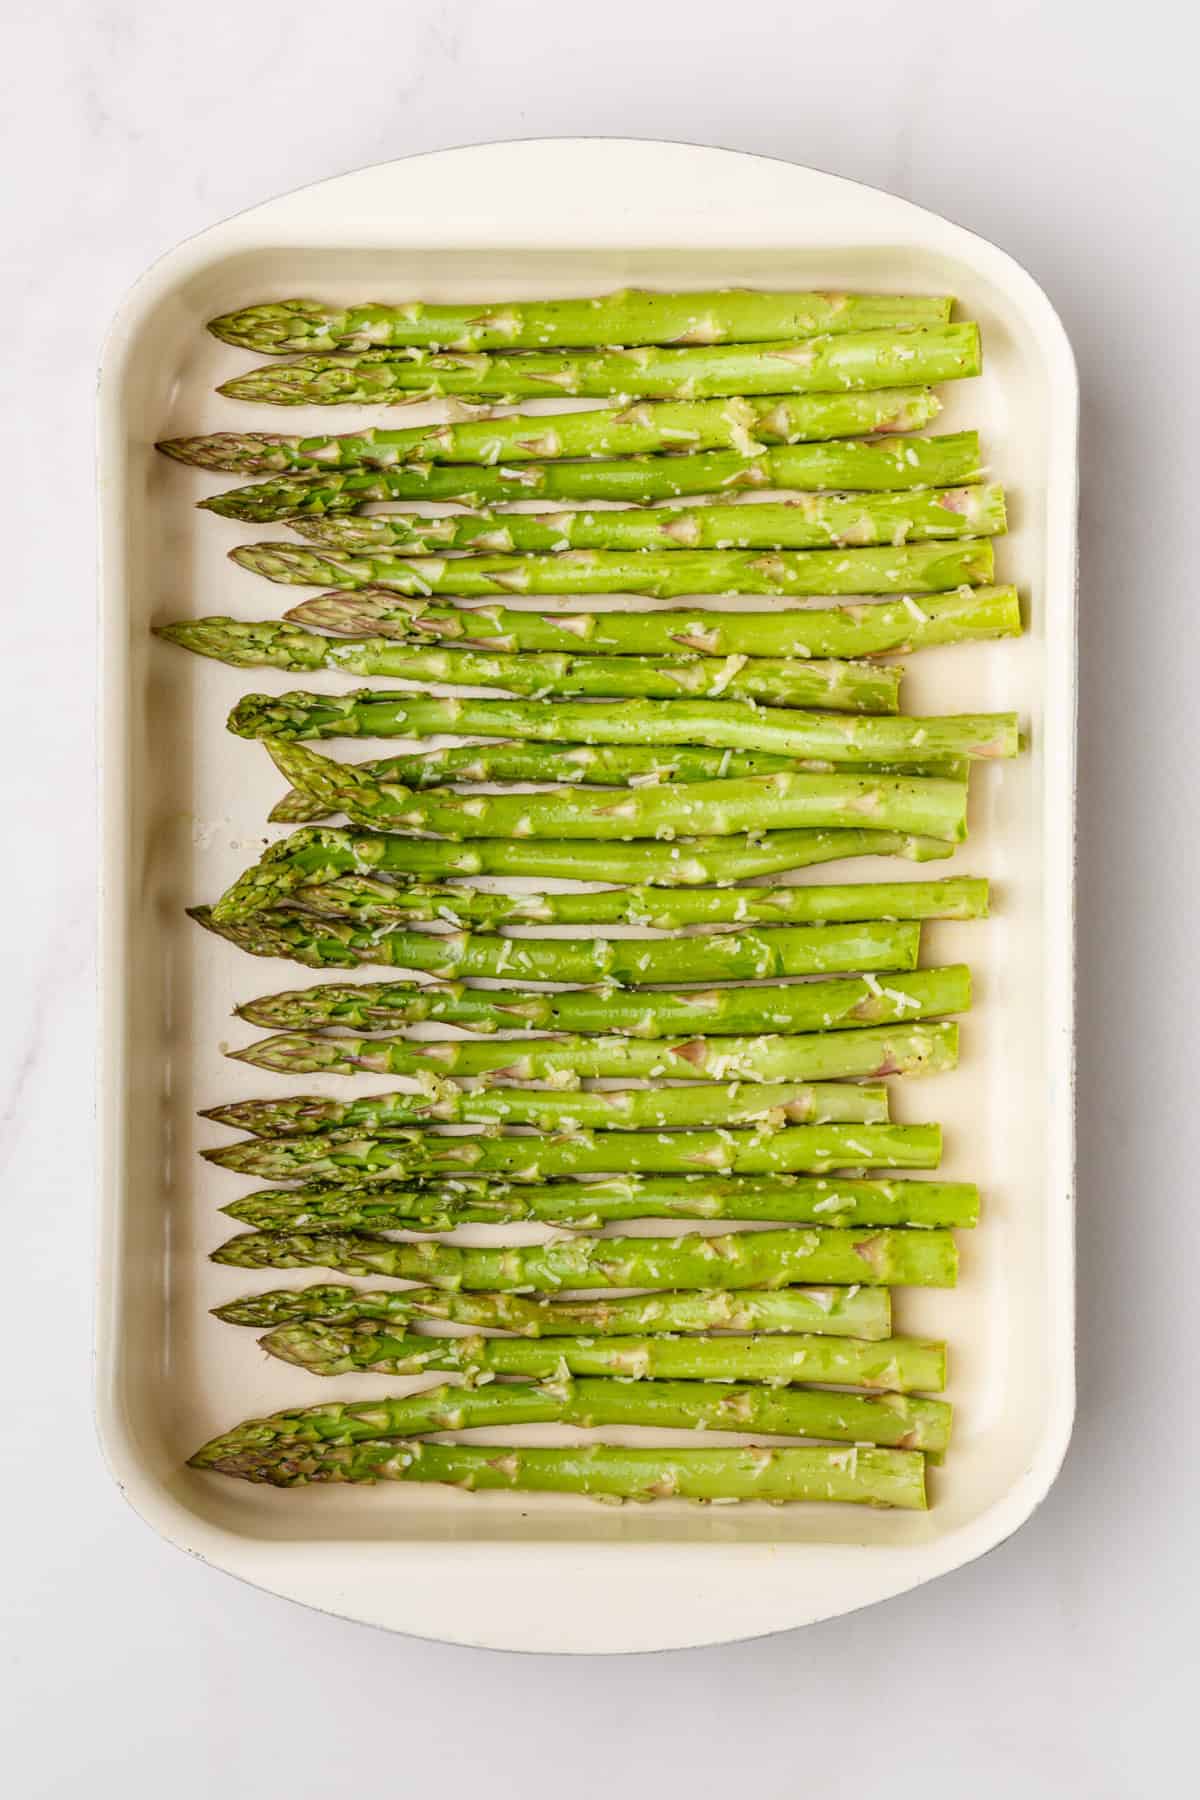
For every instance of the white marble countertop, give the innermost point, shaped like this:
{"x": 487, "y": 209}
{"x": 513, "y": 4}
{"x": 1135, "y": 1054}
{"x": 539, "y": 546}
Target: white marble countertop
{"x": 1064, "y": 1662}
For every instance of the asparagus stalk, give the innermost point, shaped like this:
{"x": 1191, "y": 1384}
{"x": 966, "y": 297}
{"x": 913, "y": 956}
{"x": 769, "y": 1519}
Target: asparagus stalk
{"x": 597, "y": 766}
{"x": 318, "y": 854}
{"x": 613, "y": 765}
{"x": 632, "y": 316}
{"x": 720, "y": 724}
{"x": 657, "y": 574}
{"x": 673, "y": 866}
{"x": 767, "y": 1259}
{"x": 826, "y": 364}
{"x": 846, "y": 465}
{"x": 864, "y": 1312}
{"x": 765, "y": 1106}
{"x": 883, "y": 1050}
{"x": 906, "y": 803}
{"x": 669, "y": 909}
{"x": 899, "y": 1364}
{"x": 892, "y": 1419}
{"x": 267, "y": 643}
{"x": 966, "y": 615}
{"x": 799, "y": 1149}
{"x": 811, "y": 1007}
{"x": 625, "y": 962}
{"x": 761, "y": 1200}
{"x": 868, "y": 1477}
{"x": 744, "y": 425}
{"x": 805, "y": 522}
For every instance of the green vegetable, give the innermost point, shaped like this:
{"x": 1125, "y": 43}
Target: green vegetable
{"x": 744, "y": 425}
{"x": 883, "y": 627}
{"x": 598, "y": 766}
{"x": 908, "y": 803}
{"x": 886, "y": 1050}
{"x": 609, "y": 1109}
{"x": 901, "y": 1364}
{"x": 867, "y": 1477}
{"x": 633, "y": 316}
{"x": 663, "y": 909}
{"x": 864, "y": 1312}
{"x": 268, "y": 643}
{"x": 799, "y": 1149}
{"x": 848, "y": 464}
{"x": 720, "y": 724}
{"x": 443, "y": 1205}
{"x": 813, "y": 1006}
{"x": 744, "y": 1259}
{"x": 658, "y": 574}
{"x": 293, "y": 868}
{"x": 826, "y": 364}
{"x": 626, "y": 962}
{"x": 805, "y": 522}
{"x": 890, "y": 1418}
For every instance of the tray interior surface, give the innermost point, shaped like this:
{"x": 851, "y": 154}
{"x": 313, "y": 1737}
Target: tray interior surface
{"x": 198, "y": 799}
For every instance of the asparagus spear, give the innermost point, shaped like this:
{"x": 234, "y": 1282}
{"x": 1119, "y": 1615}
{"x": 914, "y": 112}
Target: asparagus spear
{"x": 766, "y": 1106}
{"x": 768, "y": 1259}
{"x": 632, "y": 316}
{"x": 744, "y": 425}
{"x": 884, "y": 1050}
{"x": 720, "y": 724}
{"x": 864, "y": 1312}
{"x": 800, "y": 1149}
{"x": 317, "y": 853}
{"x": 658, "y": 574}
{"x": 805, "y": 522}
{"x": 625, "y": 962}
{"x": 899, "y": 1364}
{"x": 662, "y": 909}
{"x": 613, "y": 765}
{"x": 966, "y": 615}
{"x": 675, "y": 866}
{"x": 597, "y": 766}
{"x": 867, "y": 1477}
{"x": 441, "y": 1206}
{"x": 267, "y": 643}
{"x": 846, "y": 465}
{"x": 826, "y": 364}
{"x": 893, "y": 1419}
{"x": 811, "y": 1006}
{"x": 929, "y": 808}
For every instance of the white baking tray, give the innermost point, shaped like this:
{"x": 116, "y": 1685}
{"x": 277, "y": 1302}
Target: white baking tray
{"x": 183, "y": 810}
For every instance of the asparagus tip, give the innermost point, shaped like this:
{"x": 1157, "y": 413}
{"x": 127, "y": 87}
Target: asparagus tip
{"x": 218, "y": 1114}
